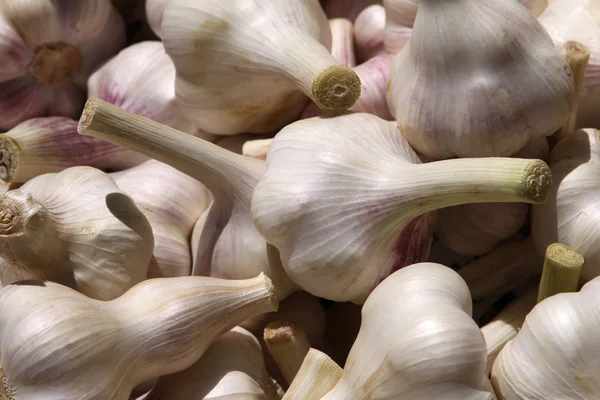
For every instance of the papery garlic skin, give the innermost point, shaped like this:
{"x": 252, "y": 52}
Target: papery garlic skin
{"x": 417, "y": 341}
{"x": 342, "y": 41}
{"x": 172, "y": 202}
{"x": 52, "y": 144}
{"x": 231, "y": 368}
{"x": 49, "y": 48}
{"x": 140, "y": 79}
{"x": 555, "y": 354}
{"x": 154, "y": 13}
{"x": 572, "y": 212}
{"x": 159, "y": 327}
{"x": 274, "y": 53}
{"x": 456, "y": 92}
{"x": 399, "y": 19}
{"x": 369, "y": 30}
{"x": 75, "y": 227}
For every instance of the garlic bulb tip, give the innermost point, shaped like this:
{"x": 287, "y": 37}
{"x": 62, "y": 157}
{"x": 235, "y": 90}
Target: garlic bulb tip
{"x": 336, "y": 89}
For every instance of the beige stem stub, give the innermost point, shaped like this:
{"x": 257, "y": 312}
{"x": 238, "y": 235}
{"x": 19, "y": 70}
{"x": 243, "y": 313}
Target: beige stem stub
{"x": 6, "y": 392}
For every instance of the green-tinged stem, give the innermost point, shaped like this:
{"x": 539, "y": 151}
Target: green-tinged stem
{"x": 317, "y": 376}
{"x": 562, "y": 268}
{"x": 222, "y": 171}
{"x": 288, "y": 345}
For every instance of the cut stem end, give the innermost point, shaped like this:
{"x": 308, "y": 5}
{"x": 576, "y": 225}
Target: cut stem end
{"x": 288, "y": 345}
{"x": 562, "y": 268}
{"x": 9, "y": 158}
{"x": 336, "y": 89}
{"x": 537, "y": 181}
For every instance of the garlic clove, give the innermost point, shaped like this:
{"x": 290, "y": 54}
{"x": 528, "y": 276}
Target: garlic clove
{"x": 172, "y": 202}
{"x": 339, "y": 240}
{"x": 274, "y": 53}
{"x": 481, "y": 75}
{"x": 288, "y": 345}
{"x": 228, "y": 246}
{"x": 317, "y": 375}
{"x": 399, "y": 19}
{"x": 154, "y": 12}
{"x": 77, "y": 228}
{"x": 369, "y": 30}
{"x": 342, "y": 41}
{"x": 159, "y": 327}
{"x": 140, "y": 79}
{"x": 51, "y": 144}
{"x": 232, "y": 367}
{"x": 349, "y": 9}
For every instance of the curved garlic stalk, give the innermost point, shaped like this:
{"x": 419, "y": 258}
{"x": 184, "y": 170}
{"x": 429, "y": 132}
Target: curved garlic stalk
{"x": 159, "y": 327}
{"x": 317, "y": 376}
{"x": 77, "y": 228}
{"x": 369, "y": 30}
{"x": 357, "y": 177}
{"x": 287, "y": 343}
{"x": 154, "y": 13}
{"x": 172, "y": 202}
{"x": 461, "y": 94}
{"x": 231, "y": 368}
{"x": 349, "y": 9}
{"x": 49, "y": 49}
{"x": 51, "y": 144}
{"x": 417, "y": 340}
{"x": 229, "y": 244}
{"x": 342, "y": 41}
{"x": 572, "y": 212}
{"x": 274, "y": 53}
{"x": 140, "y": 79}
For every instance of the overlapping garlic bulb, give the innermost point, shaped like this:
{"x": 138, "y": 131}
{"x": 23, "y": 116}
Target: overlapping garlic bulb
{"x": 369, "y": 29}
{"x": 77, "y": 228}
{"x": 57, "y": 343}
{"x": 346, "y": 200}
{"x": 154, "y": 13}
{"x": 478, "y": 91}
{"x": 172, "y": 202}
{"x": 51, "y": 144}
{"x": 48, "y": 49}
{"x": 247, "y": 66}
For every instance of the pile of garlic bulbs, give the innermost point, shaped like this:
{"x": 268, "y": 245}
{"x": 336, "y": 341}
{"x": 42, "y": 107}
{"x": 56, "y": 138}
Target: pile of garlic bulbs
{"x": 299, "y": 199}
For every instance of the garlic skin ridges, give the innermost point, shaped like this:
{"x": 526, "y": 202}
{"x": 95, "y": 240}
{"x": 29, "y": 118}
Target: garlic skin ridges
{"x": 458, "y": 92}
{"x": 231, "y": 368}
{"x": 417, "y": 340}
{"x": 369, "y": 29}
{"x": 274, "y": 53}
{"x": 159, "y": 327}
{"x": 51, "y": 144}
{"x": 172, "y": 202}
{"x": 48, "y": 49}
{"x": 140, "y": 79}
{"x": 373, "y": 212}
{"x": 317, "y": 376}
{"x": 77, "y": 228}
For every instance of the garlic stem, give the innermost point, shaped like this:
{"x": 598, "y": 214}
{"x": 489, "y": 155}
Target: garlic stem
{"x": 258, "y": 148}
{"x": 336, "y": 88}
{"x": 342, "y": 41}
{"x": 288, "y": 345}
{"x": 502, "y": 269}
{"x": 317, "y": 376}
{"x": 218, "y": 169}
{"x": 506, "y": 325}
{"x": 562, "y": 268}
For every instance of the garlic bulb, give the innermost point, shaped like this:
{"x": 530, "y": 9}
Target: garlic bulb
{"x": 231, "y": 368}
{"x": 49, "y": 48}
{"x": 77, "y": 228}
{"x": 274, "y": 53}
{"x": 460, "y": 92}
{"x": 159, "y": 327}
{"x": 349, "y": 9}
{"x": 154, "y": 13}
{"x": 417, "y": 340}
{"x": 399, "y": 19}
{"x": 342, "y": 41}
{"x": 572, "y": 212}
{"x": 172, "y": 202}
{"x": 345, "y": 204}
{"x": 51, "y": 144}
{"x": 140, "y": 79}
{"x": 317, "y": 376}
{"x": 229, "y": 246}
{"x": 369, "y": 30}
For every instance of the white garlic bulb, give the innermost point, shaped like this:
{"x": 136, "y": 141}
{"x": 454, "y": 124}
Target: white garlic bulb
{"x": 172, "y": 202}
{"x": 572, "y": 212}
{"x": 228, "y": 245}
{"x": 77, "y": 228}
{"x": 141, "y": 80}
{"x": 369, "y": 29}
{"x": 154, "y": 13}
{"x": 51, "y": 144}
{"x": 458, "y": 92}
{"x": 346, "y": 200}
{"x": 231, "y": 368}
{"x": 417, "y": 341}
{"x": 248, "y": 66}
{"x": 159, "y": 327}
{"x": 49, "y": 48}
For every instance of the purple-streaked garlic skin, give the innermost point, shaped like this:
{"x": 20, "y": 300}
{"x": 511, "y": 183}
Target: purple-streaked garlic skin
{"x": 48, "y": 49}
{"x": 349, "y": 9}
{"x": 52, "y": 144}
{"x": 369, "y": 30}
{"x": 342, "y": 43}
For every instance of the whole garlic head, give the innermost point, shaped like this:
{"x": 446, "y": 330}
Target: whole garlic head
{"x": 481, "y": 91}
{"x": 48, "y": 49}
{"x": 417, "y": 341}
